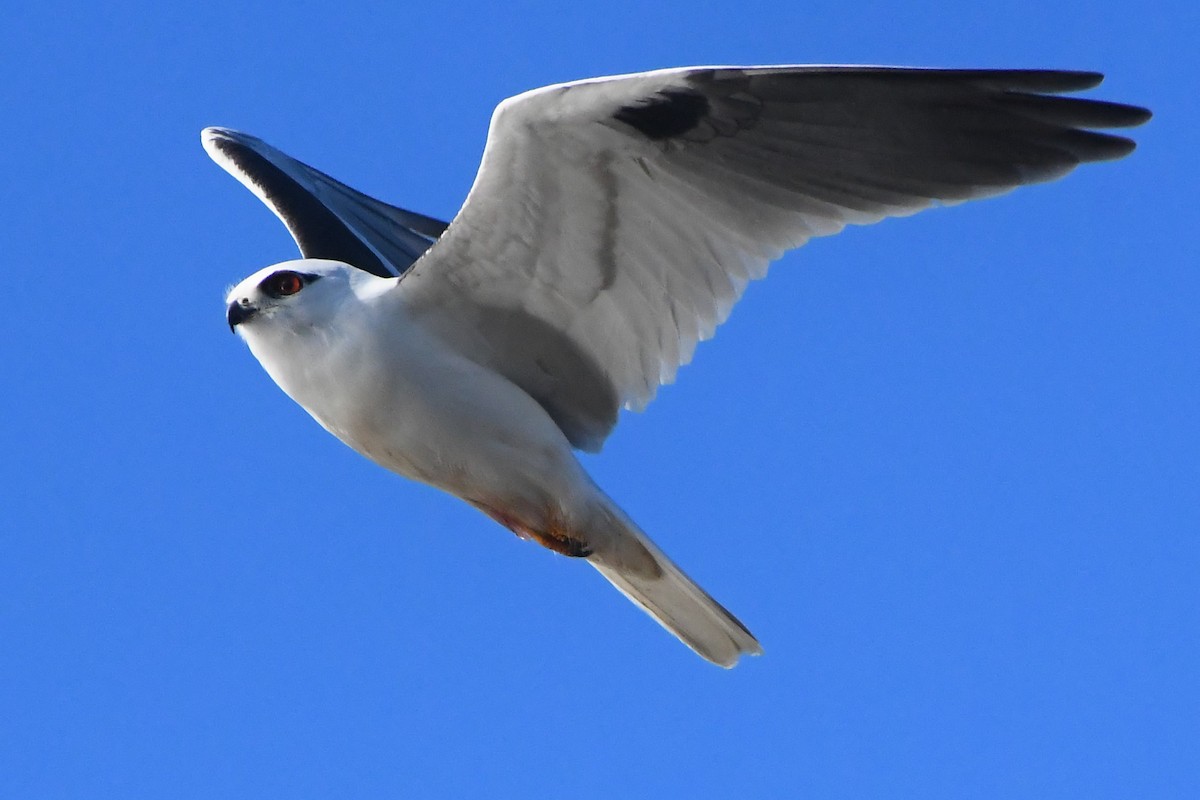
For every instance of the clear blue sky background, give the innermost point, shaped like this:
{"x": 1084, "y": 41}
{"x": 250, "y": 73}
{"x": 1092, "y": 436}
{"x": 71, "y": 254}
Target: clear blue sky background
{"x": 946, "y": 467}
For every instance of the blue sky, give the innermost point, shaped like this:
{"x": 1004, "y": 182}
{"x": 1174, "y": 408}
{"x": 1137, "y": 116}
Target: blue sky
{"x": 946, "y": 467}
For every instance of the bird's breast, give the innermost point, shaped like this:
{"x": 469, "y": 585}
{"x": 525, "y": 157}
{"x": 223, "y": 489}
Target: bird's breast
{"x": 411, "y": 403}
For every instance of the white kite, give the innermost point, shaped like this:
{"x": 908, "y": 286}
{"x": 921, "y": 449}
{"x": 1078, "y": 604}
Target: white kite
{"x": 613, "y": 224}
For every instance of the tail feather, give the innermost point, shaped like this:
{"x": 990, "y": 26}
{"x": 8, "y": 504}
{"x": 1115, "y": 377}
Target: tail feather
{"x": 644, "y": 574}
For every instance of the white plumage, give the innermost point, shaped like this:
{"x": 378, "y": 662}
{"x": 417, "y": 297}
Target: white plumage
{"x": 613, "y": 224}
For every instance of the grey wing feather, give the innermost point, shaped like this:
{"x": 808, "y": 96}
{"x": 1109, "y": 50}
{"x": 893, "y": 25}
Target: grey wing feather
{"x": 614, "y": 222}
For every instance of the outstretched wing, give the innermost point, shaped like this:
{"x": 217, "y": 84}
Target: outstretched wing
{"x": 615, "y": 222}
{"x": 327, "y": 218}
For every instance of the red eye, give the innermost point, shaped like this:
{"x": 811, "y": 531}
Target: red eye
{"x": 282, "y": 284}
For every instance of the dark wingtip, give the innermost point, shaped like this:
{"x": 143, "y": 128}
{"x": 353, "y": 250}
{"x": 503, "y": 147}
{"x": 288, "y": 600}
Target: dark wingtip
{"x": 216, "y": 135}
{"x": 1136, "y": 115}
{"x": 1062, "y": 80}
{"x": 1082, "y": 79}
{"x": 225, "y": 141}
{"x": 219, "y": 132}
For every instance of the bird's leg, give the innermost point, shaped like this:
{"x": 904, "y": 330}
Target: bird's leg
{"x": 552, "y": 536}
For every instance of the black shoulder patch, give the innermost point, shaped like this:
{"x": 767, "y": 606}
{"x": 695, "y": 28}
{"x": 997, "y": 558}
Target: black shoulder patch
{"x": 665, "y": 115}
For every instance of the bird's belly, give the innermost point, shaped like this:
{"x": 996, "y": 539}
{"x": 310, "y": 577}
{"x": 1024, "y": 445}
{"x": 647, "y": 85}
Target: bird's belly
{"x": 438, "y": 418}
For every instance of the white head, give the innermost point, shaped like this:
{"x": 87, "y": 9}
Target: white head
{"x": 293, "y": 297}
{"x": 296, "y": 314}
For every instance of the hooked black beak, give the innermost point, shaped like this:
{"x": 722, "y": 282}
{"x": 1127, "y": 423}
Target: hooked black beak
{"x": 239, "y": 312}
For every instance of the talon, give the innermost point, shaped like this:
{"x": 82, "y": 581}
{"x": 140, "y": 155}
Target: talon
{"x": 566, "y": 545}
{"x": 561, "y": 543}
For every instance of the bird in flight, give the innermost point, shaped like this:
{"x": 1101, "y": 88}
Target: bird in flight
{"x": 612, "y": 225}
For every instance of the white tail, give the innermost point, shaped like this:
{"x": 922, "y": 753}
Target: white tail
{"x": 644, "y": 574}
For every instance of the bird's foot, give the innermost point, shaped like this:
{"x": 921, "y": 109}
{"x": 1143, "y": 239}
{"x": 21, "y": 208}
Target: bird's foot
{"x": 561, "y": 543}
{"x": 552, "y": 537}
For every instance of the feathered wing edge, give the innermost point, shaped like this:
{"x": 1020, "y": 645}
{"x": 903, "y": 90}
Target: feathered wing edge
{"x": 326, "y": 217}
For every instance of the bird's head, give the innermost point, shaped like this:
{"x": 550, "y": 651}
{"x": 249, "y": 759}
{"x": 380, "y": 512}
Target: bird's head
{"x": 292, "y": 296}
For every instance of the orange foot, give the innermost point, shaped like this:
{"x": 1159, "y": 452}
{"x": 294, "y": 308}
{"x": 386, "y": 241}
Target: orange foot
{"x": 552, "y": 539}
